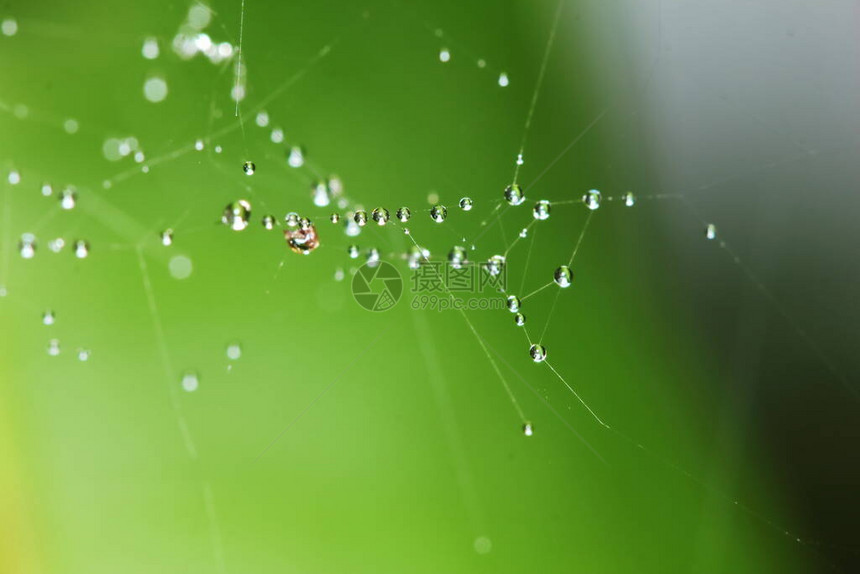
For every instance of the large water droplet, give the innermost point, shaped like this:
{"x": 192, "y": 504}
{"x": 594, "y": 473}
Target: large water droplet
{"x": 438, "y": 213}
{"x": 563, "y": 276}
{"x": 591, "y": 199}
{"x": 360, "y": 218}
{"x": 403, "y": 214}
{"x": 514, "y": 194}
{"x": 466, "y": 204}
{"x": 236, "y": 215}
{"x": 538, "y": 353}
{"x": 380, "y": 215}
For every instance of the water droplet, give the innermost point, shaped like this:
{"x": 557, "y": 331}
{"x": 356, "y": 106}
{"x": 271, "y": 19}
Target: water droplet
{"x": 82, "y": 249}
{"x": 320, "y": 194}
{"x": 457, "y": 257}
{"x": 9, "y": 27}
{"x": 190, "y": 382}
{"x": 352, "y": 228}
{"x": 198, "y": 145}
{"x": 339, "y": 274}
{"x": 524, "y": 232}
{"x": 155, "y": 89}
{"x": 353, "y": 251}
{"x": 167, "y": 237}
{"x": 236, "y": 215}
{"x": 234, "y": 351}
{"x": 335, "y": 217}
{"x": 54, "y": 347}
{"x": 495, "y": 265}
{"x": 83, "y": 355}
{"x": 711, "y": 231}
{"x": 513, "y": 303}
{"x": 150, "y": 48}
{"x": 538, "y": 353}
{"x": 563, "y": 276}
{"x": 56, "y": 245}
{"x": 249, "y": 168}
{"x": 373, "y": 257}
{"x": 403, "y": 214}
{"x": 520, "y": 160}
{"x": 14, "y": 177}
{"x": 591, "y": 199}
{"x": 415, "y": 257}
{"x": 444, "y": 55}
{"x": 503, "y": 80}
{"x": 541, "y": 210}
{"x": 27, "y": 246}
{"x": 514, "y": 194}
{"x": 48, "y": 317}
{"x": 68, "y": 198}
{"x": 179, "y": 267}
{"x": 335, "y": 186}
{"x": 296, "y": 158}
{"x": 528, "y": 429}
{"x": 380, "y": 215}
{"x": 292, "y": 219}
{"x": 629, "y": 199}
{"x": 466, "y": 204}
{"x": 304, "y": 239}
{"x": 262, "y": 119}
{"x": 269, "y": 222}
{"x": 47, "y": 189}
{"x": 360, "y": 218}
{"x": 277, "y": 135}
{"x": 438, "y": 213}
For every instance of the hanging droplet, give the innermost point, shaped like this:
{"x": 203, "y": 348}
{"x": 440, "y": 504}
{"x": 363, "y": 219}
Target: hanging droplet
{"x": 27, "y": 246}
{"x": 167, "y": 237}
{"x": 444, "y": 55}
{"x": 321, "y": 196}
{"x": 48, "y": 317}
{"x": 372, "y": 257}
{"x": 466, "y": 204}
{"x": 524, "y": 232}
{"x": 403, "y": 214}
{"x": 360, "y": 218}
{"x": 249, "y": 168}
{"x": 538, "y": 353}
{"x": 541, "y": 210}
{"x": 457, "y": 257}
{"x": 528, "y": 429}
{"x": 520, "y": 160}
{"x": 190, "y": 382}
{"x": 304, "y": 239}
{"x": 629, "y": 199}
{"x": 513, "y": 303}
{"x": 236, "y": 215}
{"x": 352, "y": 228}
{"x": 296, "y": 158}
{"x": 495, "y": 265}
{"x": 380, "y": 215}
{"x": 563, "y": 276}
{"x": 520, "y": 319}
{"x": 711, "y": 231}
{"x": 503, "y": 80}
{"x": 83, "y": 355}
{"x": 269, "y": 222}
{"x": 68, "y": 198}
{"x": 234, "y": 351}
{"x": 335, "y": 217}
{"x": 82, "y": 249}
{"x": 591, "y": 199}
{"x": 514, "y": 194}
{"x": 54, "y": 347}
{"x": 353, "y": 251}
{"x": 438, "y": 213}
{"x": 292, "y": 219}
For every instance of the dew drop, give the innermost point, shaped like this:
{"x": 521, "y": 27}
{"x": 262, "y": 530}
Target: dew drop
{"x": 56, "y": 245}
{"x": 457, "y": 257}
{"x": 541, "y": 210}
{"x": 27, "y": 246}
{"x": 180, "y": 267}
{"x": 236, "y": 215}
{"x": 9, "y": 27}
{"x": 629, "y": 199}
{"x": 353, "y": 251}
{"x": 14, "y": 177}
{"x": 503, "y": 80}
{"x": 304, "y": 239}
{"x": 47, "y": 189}
{"x": 335, "y": 217}
{"x": 269, "y": 222}
{"x": 320, "y": 194}
{"x": 513, "y": 303}
{"x": 296, "y": 158}
{"x": 234, "y": 351}
{"x": 444, "y": 55}
{"x": 520, "y": 160}
{"x": 528, "y": 429}
{"x": 190, "y": 382}
{"x": 155, "y": 89}
{"x": 466, "y": 204}
{"x": 82, "y": 249}
{"x": 83, "y": 355}
{"x": 372, "y": 257}
{"x": 514, "y": 194}
{"x": 438, "y": 213}
{"x": 360, "y": 218}
{"x": 403, "y": 214}
{"x": 495, "y": 265}
{"x": 198, "y": 145}
{"x": 352, "y": 228}
{"x": 262, "y": 119}
{"x": 538, "y": 353}
{"x": 380, "y": 215}
{"x": 48, "y": 317}
{"x": 292, "y": 219}
{"x": 249, "y": 168}
{"x": 563, "y": 276}
{"x": 167, "y": 237}
{"x": 524, "y": 232}
{"x": 519, "y": 319}
{"x": 68, "y": 198}
{"x": 54, "y": 347}
{"x": 591, "y": 199}
{"x": 711, "y": 231}
{"x": 150, "y": 48}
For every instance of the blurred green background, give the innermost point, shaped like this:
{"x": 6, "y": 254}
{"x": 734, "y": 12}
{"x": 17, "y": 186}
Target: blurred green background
{"x": 343, "y": 440}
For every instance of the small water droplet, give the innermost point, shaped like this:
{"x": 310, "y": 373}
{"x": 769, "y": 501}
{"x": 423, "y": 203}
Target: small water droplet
{"x": 292, "y": 219}
{"x": 190, "y": 382}
{"x": 48, "y": 317}
{"x": 296, "y": 158}
{"x": 14, "y": 177}
{"x": 513, "y": 303}
{"x": 591, "y": 199}
{"x": 403, "y": 214}
{"x": 711, "y": 231}
{"x": 82, "y": 249}
{"x": 438, "y": 213}
{"x": 519, "y": 319}
{"x": 234, "y": 351}
{"x": 538, "y": 353}
{"x": 563, "y": 276}
{"x": 47, "y": 189}
{"x": 320, "y": 194}
{"x": 83, "y": 355}
{"x": 373, "y": 257}
{"x": 249, "y": 168}
{"x": 503, "y": 80}
{"x": 54, "y": 347}
{"x": 444, "y": 55}
{"x": 167, "y": 237}
{"x": 541, "y": 210}
{"x": 56, "y": 245}
{"x": 514, "y": 194}
{"x": 457, "y": 257}
{"x": 466, "y": 204}
{"x": 68, "y": 198}
{"x": 236, "y": 215}
{"x": 520, "y": 160}
{"x": 27, "y": 246}
{"x": 353, "y": 251}
{"x": 495, "y": 265}
{"x": 360, "y": 218}
{"x": 629, "y": 199}
{"x": 380, "y": 215}
{"x": 269, "y": 222}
